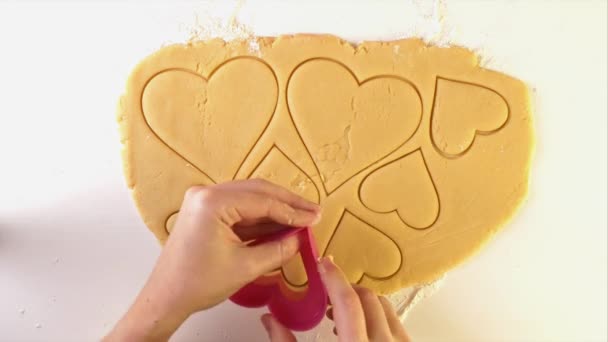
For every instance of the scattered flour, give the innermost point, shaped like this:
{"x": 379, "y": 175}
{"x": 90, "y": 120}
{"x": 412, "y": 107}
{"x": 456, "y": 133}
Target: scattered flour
{"x": 428, "y": 20}
{"x": 407, "y": 299}
{"x": 254, "y": 47}
{"x": 206, "y": 27}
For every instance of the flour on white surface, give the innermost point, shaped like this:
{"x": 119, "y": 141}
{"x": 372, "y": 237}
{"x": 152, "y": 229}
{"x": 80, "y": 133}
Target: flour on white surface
{"x": 254, "y": 47}
{"x": 206, "y": 27}
{"x": 404, "y": 300}
{"x": 426, "y": 20}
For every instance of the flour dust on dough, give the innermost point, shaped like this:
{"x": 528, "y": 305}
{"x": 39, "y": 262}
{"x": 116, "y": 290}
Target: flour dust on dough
{"x": 417, "y": 157}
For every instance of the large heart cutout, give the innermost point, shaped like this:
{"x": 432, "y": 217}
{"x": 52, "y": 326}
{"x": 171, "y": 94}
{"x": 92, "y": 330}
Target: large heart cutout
{"x": 403, "y": 186}
{"x": 340, "y": 118}
{"x": 363, "y": 250}
{"x": 462, "y": 110}
{"x": 230, "y": 110}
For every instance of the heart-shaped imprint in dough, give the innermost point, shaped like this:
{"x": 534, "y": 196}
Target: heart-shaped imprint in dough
{"x": 339, "y": 118}
{"x": 369, "y": 251}
{"x": 278, "y": 168}
{"x": 219, "y": 119}
{"x": 404, "y": 186}
{"x": 461, "y": 110}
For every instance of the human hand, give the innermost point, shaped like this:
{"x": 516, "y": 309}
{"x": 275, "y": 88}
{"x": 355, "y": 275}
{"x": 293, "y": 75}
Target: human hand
{"x": 205, "y": 259}
{"x": 358, "y": 313}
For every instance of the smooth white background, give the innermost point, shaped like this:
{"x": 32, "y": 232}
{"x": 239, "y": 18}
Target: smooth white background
{"x": 73, "y": 252}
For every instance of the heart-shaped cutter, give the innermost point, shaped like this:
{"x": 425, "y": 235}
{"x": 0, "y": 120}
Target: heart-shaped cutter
{"x": 302, "y": 313}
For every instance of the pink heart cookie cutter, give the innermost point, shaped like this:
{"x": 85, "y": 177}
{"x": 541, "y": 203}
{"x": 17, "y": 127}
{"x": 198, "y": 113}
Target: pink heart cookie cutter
{"x": 301, "y": 313}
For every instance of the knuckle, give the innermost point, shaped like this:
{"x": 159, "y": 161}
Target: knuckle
{"x": 273, "y": 206}
{"x": 201, "y": 195}
{"x": 191, "y": 191}
{"x": 283, "y": 212}
{"x": 288, "y": 248}
{"x": 282, "y": 251}
{"x": 349, "y": 299}
{"x": 366, "y": 294}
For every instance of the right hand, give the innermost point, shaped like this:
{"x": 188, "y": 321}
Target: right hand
{"x": 358, "y": 313}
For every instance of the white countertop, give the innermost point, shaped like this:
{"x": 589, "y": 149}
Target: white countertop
{"x": 73, "y": 251}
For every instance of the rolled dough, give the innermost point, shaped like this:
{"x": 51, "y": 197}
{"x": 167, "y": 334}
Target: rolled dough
{"x": 416, "y": 153}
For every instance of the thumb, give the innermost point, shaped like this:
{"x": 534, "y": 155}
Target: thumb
{"x": 276, "y": 331}
{"x": 269, "y": 256}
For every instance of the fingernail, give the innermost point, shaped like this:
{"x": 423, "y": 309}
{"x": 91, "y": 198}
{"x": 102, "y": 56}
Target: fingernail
{"x": 291, "y": 245}
{"x": 317, "y": 218}
{"x": 289, "y": 214}
{"x": 324, "y": 263}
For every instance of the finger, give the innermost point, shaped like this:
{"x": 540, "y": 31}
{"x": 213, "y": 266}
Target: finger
{"x": 268, "y": 188}
{"x": 346, "y": 307}
{"x": 253, "y": 206}
{"x": 246, "y": 233}
{"x": 276, "y": 331}
{"x": 393, "y": 321}
{"x": 261, "y": 259}
{"x": 375, "y": 319}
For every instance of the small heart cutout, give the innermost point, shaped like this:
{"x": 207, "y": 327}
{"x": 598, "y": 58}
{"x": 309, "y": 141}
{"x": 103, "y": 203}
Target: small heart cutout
{"x": 363, "y": 250}
{"x": 279, "y": 169}
{"x": 462, "y": 110}
{"x": 340, "y": 118}
{"x": 230, "y": 111}
{"x": 403, "y": 186}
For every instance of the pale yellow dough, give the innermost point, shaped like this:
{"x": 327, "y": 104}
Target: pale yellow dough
{"x": 416, "y": 154}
